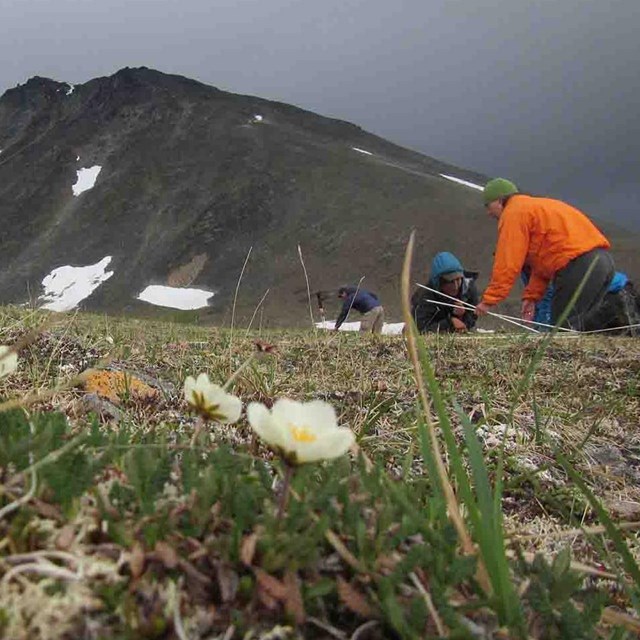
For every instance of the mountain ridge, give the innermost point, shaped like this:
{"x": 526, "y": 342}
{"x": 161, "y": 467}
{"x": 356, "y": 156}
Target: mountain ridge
{"x": 191, "y": 172}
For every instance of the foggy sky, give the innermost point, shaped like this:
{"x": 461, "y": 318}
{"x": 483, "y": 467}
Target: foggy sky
{"x": 545, "y": 92}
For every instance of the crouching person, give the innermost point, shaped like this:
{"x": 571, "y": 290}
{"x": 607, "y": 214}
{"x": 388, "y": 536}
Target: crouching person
{"x": 367, "y": 303}
{"x": 434, "y": 312}
{"x": 619, "y": 311}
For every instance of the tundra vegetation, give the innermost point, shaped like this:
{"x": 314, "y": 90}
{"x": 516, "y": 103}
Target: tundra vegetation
{"x": 491, "y": 488}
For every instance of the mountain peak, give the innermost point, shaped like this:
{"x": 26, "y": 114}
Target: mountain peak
{"x": 173, "y": 180}
{"x": 34, "y": 89}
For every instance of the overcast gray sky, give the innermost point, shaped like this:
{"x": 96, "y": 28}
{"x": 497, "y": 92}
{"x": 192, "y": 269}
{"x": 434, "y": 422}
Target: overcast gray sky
{"x": 545, "y": 92}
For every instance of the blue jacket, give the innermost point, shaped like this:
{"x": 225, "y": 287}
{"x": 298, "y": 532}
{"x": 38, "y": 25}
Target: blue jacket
{"x": 359, "y": 299}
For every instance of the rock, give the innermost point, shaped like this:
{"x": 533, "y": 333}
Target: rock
{"x": 605, "y": 454}
{"x": 93, "y": 403}
{"x": 624, "y": 509}
{"x": 117, "y": 385}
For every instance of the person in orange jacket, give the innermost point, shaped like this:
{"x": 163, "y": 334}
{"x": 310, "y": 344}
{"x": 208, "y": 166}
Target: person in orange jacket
{"x": 560, "y": 245}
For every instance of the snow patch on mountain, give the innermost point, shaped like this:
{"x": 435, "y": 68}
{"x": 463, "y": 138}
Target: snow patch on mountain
{"x": 366, "y": 153}
{"x": 86, "y": 179}
{"x": 175, "y": 297}
{"x": 65, "y": 287}
{"x": 463, "y": 182}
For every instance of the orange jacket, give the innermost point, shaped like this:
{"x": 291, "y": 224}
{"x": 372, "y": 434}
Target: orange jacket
{"x": 546, "y": 234}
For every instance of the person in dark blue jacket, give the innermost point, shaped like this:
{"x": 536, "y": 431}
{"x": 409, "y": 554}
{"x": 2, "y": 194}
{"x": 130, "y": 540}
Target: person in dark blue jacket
{"x": 619, "y": 308}
{"x": 367, "y": 303}
{"x": 433, "y": 312}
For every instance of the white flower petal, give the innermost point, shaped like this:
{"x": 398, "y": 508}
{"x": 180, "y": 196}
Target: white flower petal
{"x": 230, "y": 408}
{"x": 288, "y": 411}
{"x": 334, "y": 444}
{"x": 189, "y": 388}
{"x": 211, "y": 400}
{"x": 212, "y": 394}
{"x": 320, "y": 415}
{"x": 202, "y": 381}
{"x": 263, "y": 424}
{"x": 303, "y": 432}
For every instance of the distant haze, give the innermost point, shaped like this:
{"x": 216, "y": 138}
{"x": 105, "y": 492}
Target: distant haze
{"x": 545, "y": 93}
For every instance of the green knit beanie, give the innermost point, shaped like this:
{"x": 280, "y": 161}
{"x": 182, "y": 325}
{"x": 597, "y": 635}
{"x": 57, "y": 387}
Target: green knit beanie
{"x": 498, "y": 188}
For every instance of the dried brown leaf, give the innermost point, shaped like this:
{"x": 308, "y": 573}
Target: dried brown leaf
{"x": 47, "y": 510}
{"x": 228, "y": 582}
{"x": 293, "y": 603}
{"x": 136, "y": 560}
{"x": 248, "y": 548}
{"x": 267, "y": 600}
{"x": 193, "y": 574}
{"x": 65, "y": 538}
{"x": 264, "y": 347}
{"x": 166, "y": 554}
{"x": 354, "y": 600}
{"x": 387, "y": 564}
{"x": 271, "y": 585}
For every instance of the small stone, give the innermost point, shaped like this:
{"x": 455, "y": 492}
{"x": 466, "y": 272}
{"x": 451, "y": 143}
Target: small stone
{"x": 93, "y": 403}
{"x": 624, "y": 509}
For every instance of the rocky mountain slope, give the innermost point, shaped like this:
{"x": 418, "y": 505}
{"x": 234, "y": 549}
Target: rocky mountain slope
{"x": 191, "y": 177}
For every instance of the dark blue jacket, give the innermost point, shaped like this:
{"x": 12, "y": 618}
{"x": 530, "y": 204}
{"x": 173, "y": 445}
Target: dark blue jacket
{"x": 359, "y": 299}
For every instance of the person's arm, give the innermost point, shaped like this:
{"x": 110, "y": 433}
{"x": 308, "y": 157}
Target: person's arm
{"x": 511, "y": 252}
{"x": 469, "y": 317}
{"x": 536, "y": 288}
{"x": 346, "y": 306}
{"x": 429, "y": 316}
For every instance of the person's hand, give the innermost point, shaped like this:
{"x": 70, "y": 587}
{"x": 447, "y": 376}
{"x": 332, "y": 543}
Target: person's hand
{"x": 459, "y": 311}
{"x": 482, "y": 309}
{"x": 528, "y": 310}
{"x": 458, "y": 325}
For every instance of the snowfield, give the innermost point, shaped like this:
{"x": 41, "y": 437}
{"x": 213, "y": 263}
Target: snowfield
{"x": 175, "y": 297}
{"x": 65, "y": 287}
{"x": 463, "y": 182}
{"x": 86, "y": 179}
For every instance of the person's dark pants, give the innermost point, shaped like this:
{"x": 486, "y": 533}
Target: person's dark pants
{"x": 568, "y": 280}
{"x": 618, "y": 310}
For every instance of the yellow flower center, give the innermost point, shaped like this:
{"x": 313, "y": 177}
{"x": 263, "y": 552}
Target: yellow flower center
{"x": 303, "y": 434}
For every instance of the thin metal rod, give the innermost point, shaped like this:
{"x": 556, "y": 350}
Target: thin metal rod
{"x": 472, "y": 308}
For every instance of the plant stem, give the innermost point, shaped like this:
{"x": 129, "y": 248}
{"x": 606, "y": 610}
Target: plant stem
{"x": 197, "y": 430}
{"x": 284, "y": 494}
{"x": 238, "y": 371}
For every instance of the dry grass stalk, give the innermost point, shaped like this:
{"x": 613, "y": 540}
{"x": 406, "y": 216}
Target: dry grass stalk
{"x": 450, "y": 496}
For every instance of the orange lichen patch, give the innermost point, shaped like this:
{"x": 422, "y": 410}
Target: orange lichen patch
{"x": 117, "y": 385}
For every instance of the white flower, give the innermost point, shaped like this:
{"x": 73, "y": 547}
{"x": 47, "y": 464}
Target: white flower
{"x": 8, "y": 361}
{"x": 211, "y": 401}
{"x": 301, "y": 432}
